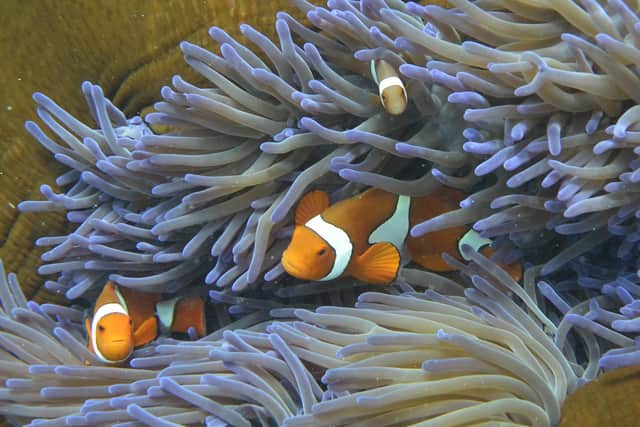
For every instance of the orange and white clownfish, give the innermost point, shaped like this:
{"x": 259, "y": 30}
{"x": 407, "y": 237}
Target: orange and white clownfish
{"x": 391, "y": 90}
{"x": 362, "y": 236}
{"x": 125, "y": 318}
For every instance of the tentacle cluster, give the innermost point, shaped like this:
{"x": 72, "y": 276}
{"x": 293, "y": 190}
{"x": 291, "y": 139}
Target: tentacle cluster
{"x": 244, "y": 377}
{"x": 213, "y": 196}
{"x": 412, "y": 357}
{"x": 550, "y": 90}
{"x": 527, "y": 105}
{"x": 604, "y": 300}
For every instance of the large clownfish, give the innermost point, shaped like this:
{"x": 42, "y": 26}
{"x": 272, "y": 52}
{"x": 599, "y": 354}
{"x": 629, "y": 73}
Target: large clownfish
{"x": 362, "y": 236}
{"x": 391, "y": 90}
{"x": 124, "y": 319}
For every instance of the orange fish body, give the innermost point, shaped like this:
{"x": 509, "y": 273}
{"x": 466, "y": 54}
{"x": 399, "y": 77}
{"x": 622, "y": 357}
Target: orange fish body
{"x": 391, "y": 90}
{"x": 362, "y": 236}
{"x": 125, "y": 318}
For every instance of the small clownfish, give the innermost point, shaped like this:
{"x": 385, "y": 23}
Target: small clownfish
{"x": 391, "y": 90}
{"x": 362, "y": 236}
{"x": 124, "y": 319}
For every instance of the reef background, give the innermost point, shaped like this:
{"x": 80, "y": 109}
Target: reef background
{"x": 131, "y": 51}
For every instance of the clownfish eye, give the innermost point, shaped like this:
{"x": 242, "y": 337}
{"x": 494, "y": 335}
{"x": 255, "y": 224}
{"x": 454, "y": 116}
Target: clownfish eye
{"x": 100, "y": 328}
{"x": 322, "y": 251}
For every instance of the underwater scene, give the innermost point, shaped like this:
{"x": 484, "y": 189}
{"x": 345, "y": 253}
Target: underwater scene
{"x": 320, "y": 213}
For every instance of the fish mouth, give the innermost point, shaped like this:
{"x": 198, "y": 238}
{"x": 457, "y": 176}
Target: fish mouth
{"x": 292, "y": 269}
{"x": 117, "y": 341}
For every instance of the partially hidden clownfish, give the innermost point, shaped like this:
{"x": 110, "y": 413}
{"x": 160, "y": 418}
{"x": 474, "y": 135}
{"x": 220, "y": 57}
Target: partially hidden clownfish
{"x": 391, "y": 90}
{"x": 125, "y": 318}
{"x": 363, "y": 236}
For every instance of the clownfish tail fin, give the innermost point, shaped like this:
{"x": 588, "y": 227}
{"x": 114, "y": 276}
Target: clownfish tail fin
{"x": 483, "y": 246}
{"x": 189, "y": 312}
{"x": 312, "y": 204}
{"x": 515, "y": 270}
{"x": 377, "y": 265}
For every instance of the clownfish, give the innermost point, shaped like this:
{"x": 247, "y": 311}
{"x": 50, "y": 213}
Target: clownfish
{"x": 125, "y": 318}
{"x": 363, "y": 236}
{"x": 391, "y": 90}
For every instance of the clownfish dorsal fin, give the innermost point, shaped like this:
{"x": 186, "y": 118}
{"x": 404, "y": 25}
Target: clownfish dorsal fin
{"x": 110, "y": 294}
{"x": 378, "y": 265}
{"x": 310, "y": 205}
{"x": 146, "y": 332}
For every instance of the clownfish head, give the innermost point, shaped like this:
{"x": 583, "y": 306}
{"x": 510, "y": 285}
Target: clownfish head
{"x": 318, "y": 250}
{"x": 111, "y": 333}
{"x": 393, "y": 96}
{"x": 308, "y": 256}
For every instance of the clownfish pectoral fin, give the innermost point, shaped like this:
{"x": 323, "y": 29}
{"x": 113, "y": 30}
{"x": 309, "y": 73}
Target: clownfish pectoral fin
{"x": 312, "y": 204}
{"x": 378, "y": 265}
{"x": 146, "y": 332}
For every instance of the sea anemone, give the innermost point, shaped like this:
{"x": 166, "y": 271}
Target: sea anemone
{"x": 235, "y": 376}
{"x": 212, "y": 197}
{"x": 547, "y": 89}
{"x": 604, "y": 300}
{"x": 527, "y": 106}
{"x": 550, "y": 90}
{"x": 414, "y": 357}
